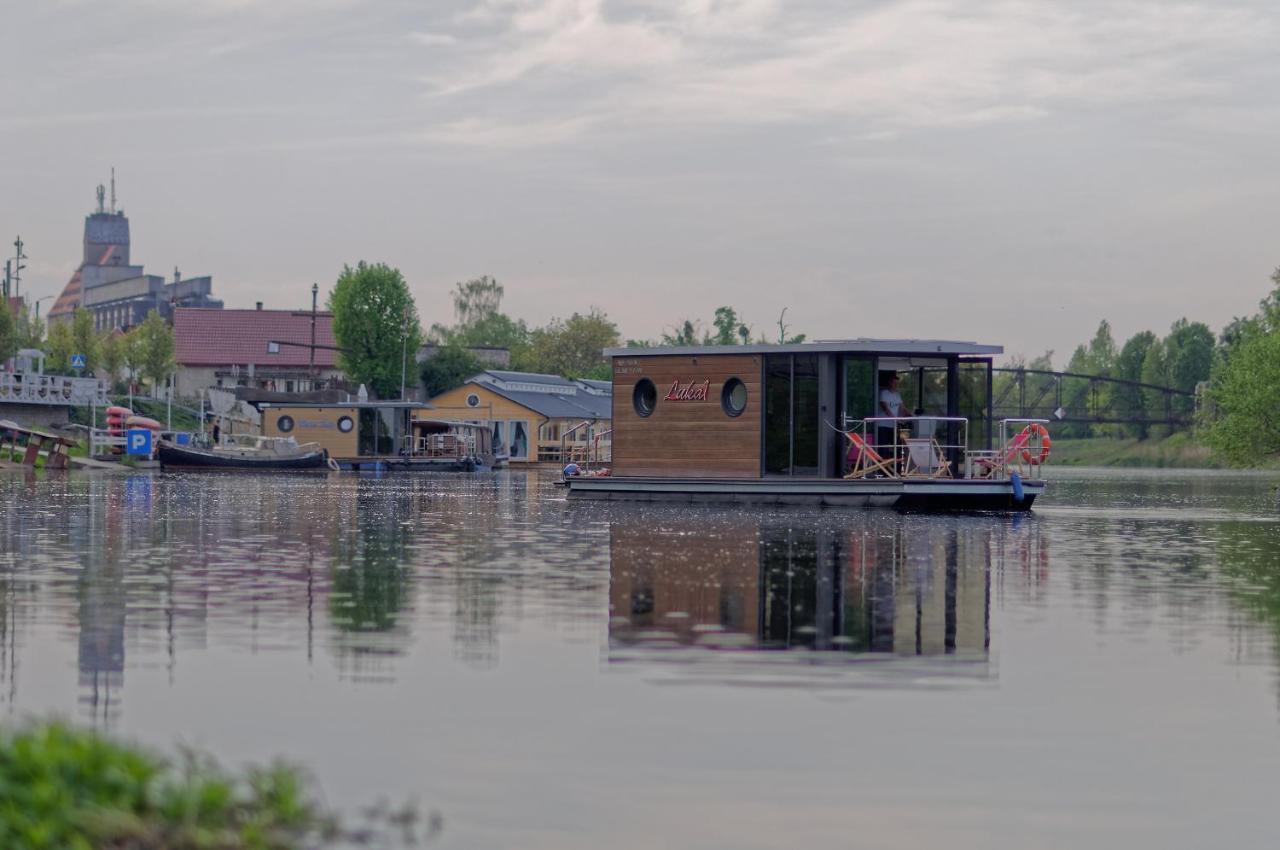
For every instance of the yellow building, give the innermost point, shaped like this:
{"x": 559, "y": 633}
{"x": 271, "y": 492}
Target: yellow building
{"x": 533, "y": 417}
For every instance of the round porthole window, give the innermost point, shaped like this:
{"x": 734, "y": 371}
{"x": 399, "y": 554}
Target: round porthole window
{"x": 285, "y": 424}
{"x": 473, "y": 400}
{"x": 345, "y": 424}
{"x": 733, "y": 398}
{"x": 644, "y": 397}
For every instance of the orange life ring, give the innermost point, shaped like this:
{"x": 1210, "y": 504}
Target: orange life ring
{"x": 1046, "y": 445}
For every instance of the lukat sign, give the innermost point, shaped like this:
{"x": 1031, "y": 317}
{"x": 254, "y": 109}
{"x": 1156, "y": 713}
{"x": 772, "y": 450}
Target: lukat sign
{"x": 692, "y": 391}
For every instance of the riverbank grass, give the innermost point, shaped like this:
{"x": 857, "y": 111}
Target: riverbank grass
{"x": 63, "y": 788}
{"x": 1178, "y": 451}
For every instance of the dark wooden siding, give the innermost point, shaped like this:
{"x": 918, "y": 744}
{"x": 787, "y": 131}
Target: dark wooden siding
{"x": 686, "y": 438}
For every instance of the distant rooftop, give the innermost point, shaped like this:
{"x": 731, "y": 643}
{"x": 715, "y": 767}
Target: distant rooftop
{"x": 551, "y": 395}
{"x": 850, "y": 346}
{"x": 210, "y": 337}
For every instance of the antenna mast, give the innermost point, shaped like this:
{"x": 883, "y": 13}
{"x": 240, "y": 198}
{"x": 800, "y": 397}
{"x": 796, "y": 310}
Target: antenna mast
{"x": 113, "y": 190}
{"x": 17, "y": 267}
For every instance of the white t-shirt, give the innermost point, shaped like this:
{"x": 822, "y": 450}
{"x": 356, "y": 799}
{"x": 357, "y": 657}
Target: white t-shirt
{"x": 891, "y": 400}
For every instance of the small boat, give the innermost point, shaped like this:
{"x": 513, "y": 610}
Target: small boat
{"x": 245, "y": 452}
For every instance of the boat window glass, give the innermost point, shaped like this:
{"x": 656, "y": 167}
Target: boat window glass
{"x": 345, "y": 424}
{"x": 285, "y": 424}
{"x": 734, "y": 397}
{"x": 644, "y": 397}
{"x": 805, "y": 416}
{"x": 473, "y": 400}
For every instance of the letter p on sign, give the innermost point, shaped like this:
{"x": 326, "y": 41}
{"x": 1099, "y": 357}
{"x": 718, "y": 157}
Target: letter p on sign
{"x": 139, "y": 441}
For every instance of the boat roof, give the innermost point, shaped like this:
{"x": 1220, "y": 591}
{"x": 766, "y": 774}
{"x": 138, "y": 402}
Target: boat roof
{"x": 861, "y": 345}
{"x": 410, "y": 405}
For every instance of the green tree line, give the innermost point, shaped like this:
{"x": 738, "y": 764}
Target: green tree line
{"x": 1236, "y": 375}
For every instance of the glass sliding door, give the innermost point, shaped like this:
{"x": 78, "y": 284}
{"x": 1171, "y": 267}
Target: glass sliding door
{"x": 792, "y": 426}
{"x": 973, "y": 398}
{"x": 777, "y": 414}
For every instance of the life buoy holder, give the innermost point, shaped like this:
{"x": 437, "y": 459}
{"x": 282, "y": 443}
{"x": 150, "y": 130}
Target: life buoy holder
{"x": 1046, "y": 445}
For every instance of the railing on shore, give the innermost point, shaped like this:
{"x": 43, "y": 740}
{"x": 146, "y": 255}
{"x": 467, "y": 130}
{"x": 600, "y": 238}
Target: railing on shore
{"x": 37, "y": 388}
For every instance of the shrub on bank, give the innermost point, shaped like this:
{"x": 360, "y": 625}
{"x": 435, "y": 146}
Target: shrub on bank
{"x": 73, "y": 789}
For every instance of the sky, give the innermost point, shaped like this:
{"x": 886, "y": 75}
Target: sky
{"x": 1006, "y": 172}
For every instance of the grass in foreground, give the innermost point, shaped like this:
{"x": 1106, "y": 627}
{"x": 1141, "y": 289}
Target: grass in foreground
{"x": 72, "y": 789}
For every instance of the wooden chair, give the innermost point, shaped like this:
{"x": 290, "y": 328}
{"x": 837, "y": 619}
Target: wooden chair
{"x": 992, "y": 465}
{"x": 866, "y": 460}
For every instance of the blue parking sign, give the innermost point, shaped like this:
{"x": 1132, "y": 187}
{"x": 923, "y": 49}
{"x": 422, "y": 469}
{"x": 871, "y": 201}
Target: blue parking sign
{"x": 138, "y": 441}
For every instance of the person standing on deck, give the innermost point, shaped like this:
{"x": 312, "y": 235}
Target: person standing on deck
{"x": 890, "y": 405}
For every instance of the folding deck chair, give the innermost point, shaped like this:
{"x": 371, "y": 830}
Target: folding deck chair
{"x": 866, "y": 460}
{"x": 924, "y": 459}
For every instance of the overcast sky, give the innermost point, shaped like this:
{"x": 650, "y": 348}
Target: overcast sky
{"x": 1010, "y": 172}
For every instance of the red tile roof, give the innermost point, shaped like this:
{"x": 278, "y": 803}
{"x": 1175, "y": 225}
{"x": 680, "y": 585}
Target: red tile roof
{"x": 69, "y": 300}
{"x": 209, "y": 337}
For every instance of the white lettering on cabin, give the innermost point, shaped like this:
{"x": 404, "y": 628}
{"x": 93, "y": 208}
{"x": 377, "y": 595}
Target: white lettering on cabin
{"x": 692, "y": 391}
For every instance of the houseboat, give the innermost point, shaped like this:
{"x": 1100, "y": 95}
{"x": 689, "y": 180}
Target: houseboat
{"x": 381, "y": 435}
{"x": 808, "y": 423}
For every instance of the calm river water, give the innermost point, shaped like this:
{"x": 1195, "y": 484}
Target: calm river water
{"x": 1102, "y": 673}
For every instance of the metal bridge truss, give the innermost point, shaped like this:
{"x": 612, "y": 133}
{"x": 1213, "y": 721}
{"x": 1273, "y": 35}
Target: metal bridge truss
{"x": 1072, "y": 397}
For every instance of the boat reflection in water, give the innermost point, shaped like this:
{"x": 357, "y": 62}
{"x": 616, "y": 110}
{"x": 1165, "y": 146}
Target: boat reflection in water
{"x": 874, "y": 592}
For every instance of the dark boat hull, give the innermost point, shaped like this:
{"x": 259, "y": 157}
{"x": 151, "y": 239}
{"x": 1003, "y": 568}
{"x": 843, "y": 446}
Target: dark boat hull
{"x": 903, "y": 494}
{"x": 177, "y": 457}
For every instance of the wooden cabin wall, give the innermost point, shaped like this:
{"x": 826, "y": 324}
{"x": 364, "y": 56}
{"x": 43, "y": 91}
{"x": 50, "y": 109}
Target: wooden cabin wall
{"x": 686, "y": 438}
{"x": 317, "y": 425}
{"x": 452, "y": 404}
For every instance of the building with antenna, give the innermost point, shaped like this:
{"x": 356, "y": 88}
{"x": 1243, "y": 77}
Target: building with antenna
{"x": 121, "y": 294}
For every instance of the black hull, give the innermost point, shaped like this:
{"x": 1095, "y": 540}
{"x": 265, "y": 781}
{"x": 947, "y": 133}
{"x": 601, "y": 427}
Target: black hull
{"x": 177, "y": 457}
{"x": 934, "y": 495}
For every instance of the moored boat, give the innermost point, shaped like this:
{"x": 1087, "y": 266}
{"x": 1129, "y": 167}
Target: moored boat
{"x": 817, "y": 423}
{"x": 243, "y": 452}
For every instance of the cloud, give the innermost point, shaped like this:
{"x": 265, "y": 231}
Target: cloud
{"x": 881, "y": 68}
{"x": 431, "y": 39}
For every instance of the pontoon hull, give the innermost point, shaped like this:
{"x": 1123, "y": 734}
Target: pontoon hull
{"x": 922, "y": 495}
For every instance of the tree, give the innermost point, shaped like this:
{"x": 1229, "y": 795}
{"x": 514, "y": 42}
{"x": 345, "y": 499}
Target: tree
{"x": 8, "y": 332}
{"x": 1131, "y": 401}
{"x": 730, "y": 330}
{"x": 376, "y": 324}
{"x": 449, "y": 367}
{"x": 684, "y": 335}
{"x": 30, "y": 329}
{"x": 84, "y": 338}
{"x": 574, "y": 347}
{"x": 783, "y": 337}
{"x": 111, "y": 354}
{"x": 155, "y": 350}
{"x": 1246, "y": 396}
{"x": 479, "y": 320}
{"x": 59, "y": 347}
{"x": 1189, "y": 351}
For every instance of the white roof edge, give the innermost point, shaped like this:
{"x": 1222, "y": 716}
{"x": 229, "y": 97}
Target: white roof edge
{"x": 853, "y": 346}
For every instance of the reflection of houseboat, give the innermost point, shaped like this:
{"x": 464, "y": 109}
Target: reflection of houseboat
{"x": 383, "y": 435}
{"x": 803, "y": 423}
{"x": 737, "y": 582}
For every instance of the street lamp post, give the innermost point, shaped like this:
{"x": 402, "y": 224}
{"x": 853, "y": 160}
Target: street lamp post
{"x": 315, "y": 292}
